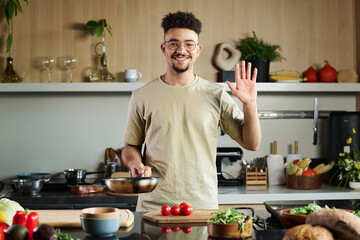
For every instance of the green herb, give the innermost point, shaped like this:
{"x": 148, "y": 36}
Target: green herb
{"x": 306, "y": 210}
{"x": 230, "y": 215}
{"x": 357, "y": 213}
{"x": 64, "y": 236}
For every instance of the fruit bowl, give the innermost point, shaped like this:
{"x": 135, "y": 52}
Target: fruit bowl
{"x": 303, "y": 182}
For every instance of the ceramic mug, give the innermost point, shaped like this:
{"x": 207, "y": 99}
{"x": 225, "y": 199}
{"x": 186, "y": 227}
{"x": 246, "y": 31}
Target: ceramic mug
{"x": 132, "y": 75}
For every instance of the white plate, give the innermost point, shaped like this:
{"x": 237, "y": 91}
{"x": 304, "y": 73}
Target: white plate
{"x": 288, "y": 81}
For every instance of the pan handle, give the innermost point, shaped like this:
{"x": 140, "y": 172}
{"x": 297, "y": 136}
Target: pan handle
{"x": 247, "y": 208}
{"x": 47, "y": 178}
{"x": 94, "y": 172}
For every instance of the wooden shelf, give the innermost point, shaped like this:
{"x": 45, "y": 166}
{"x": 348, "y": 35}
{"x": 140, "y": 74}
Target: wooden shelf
{"x": 129, "y": 87}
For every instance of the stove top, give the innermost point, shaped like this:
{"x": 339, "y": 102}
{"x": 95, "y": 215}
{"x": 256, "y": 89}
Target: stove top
{"x": 63, "y": 184}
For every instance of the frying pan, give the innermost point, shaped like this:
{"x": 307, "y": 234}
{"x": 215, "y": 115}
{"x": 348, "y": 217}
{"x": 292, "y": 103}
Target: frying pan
{"x": 32, "y": 175}
{"x": 131, "y": 184}
{"x": 76, "y": 176}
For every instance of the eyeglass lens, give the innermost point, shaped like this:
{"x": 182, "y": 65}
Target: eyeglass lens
{"x": 189, "y": 44}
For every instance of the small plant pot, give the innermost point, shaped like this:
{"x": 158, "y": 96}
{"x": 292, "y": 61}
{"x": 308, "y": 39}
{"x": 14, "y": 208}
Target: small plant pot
{"x": 263, "y": 70}
{"x": 354, "y": 185}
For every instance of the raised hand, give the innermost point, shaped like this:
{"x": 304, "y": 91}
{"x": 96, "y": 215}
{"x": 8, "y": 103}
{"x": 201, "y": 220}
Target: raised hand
{"x": 245, "y": 89}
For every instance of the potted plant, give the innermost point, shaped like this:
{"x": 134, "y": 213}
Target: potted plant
{"x": 348, "y": 166}
{"x": 12, "y": 8}
{"x": 260, "y": 54}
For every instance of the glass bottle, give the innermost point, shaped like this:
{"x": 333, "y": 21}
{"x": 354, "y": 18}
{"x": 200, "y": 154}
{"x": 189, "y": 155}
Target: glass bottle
{"x": 102, "y": 74}
{"x": 9, "y": 75}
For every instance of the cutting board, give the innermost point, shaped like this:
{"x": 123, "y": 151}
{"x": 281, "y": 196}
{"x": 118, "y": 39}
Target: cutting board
{"x": 198, "y": 216}
{"x": 71, "y": 218}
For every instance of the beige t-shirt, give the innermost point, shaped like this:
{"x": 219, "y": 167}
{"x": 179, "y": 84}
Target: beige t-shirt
{"x": 179, "y": 126}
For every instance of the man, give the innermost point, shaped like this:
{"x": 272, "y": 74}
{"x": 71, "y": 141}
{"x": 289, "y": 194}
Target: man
{"x": 177, "y": 116}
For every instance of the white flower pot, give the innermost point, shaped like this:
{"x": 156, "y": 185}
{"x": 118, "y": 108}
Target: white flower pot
{"x": 354, "y": 185}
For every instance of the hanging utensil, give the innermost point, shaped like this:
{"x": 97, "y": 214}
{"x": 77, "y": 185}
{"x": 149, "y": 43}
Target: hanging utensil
{"x": 316, "y": 119}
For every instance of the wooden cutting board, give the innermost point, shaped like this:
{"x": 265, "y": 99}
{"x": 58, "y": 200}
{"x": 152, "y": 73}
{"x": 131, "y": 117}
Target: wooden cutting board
{"x": 71, "y": 218}
{"x": 198, "y": 216}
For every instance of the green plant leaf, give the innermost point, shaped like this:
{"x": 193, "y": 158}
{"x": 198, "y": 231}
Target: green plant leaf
{"x": 108, "y": 28}
{"x": 10, "y": 7}
{"x": 99, "y": 30}
{"x": 92, "y": 24}
{"x": 9, "y": 43}
{"x": 17, "y": 6}
{"x": 104, "y": 22}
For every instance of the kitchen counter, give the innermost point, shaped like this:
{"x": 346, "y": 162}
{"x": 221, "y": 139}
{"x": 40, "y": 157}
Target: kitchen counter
{"x": 259, "y": 194}
{"x": 143, "y": 229}
{"x": 231, "y": 195}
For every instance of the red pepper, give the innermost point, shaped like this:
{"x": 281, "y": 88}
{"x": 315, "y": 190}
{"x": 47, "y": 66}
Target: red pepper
{"x": 3, "y": 227}
{"x": 29, "y": 219}
{"x": 296, "y": 161}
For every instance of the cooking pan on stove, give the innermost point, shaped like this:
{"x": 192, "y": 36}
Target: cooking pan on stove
{"x": 131, "y": 184}
{"x": 76, "y": 176}
{"x": 32, "y": 175}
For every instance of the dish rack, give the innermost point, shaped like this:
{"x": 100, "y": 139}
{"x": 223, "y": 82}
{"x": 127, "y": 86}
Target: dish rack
{"x": 255, "y": 177}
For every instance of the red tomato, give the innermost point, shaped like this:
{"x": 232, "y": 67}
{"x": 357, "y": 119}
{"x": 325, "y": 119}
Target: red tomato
{"x": 175, "y": 229}
{"x": 186, "y": 229}
{"x": 183, "y": 204}
{"x": 165, "y": 210}
{"x": 187, "y": 210}
{"x": 165, "y": 230}
{"x": 175, "y": 210}
{"x": 3, "y": 227}
{"x": 309, "y": 172}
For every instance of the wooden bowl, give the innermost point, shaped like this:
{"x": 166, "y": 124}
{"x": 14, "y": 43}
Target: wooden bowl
{"x": 289, "y": 220}
{"x": 303, "y": 182}
{"x": 100, "y": 212}
{"x": 220, "y": 230}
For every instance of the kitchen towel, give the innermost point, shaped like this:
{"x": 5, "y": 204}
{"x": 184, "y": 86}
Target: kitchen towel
{"x": 276, "y": 172}
{"x": 275, "y": 164}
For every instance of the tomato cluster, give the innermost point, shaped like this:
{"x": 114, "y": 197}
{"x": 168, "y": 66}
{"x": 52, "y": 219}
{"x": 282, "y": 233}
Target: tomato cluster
{"x": 167, "y": 230}
{"x": 183, "y": 209}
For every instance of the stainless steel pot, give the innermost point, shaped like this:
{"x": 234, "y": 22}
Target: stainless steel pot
{"x": 131, "y": 185}
{"x": 76, "y": 176}
{"x": 30, "y": 186}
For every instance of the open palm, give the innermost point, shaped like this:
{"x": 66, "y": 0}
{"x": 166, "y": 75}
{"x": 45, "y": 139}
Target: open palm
{"x": 245, "y": 89}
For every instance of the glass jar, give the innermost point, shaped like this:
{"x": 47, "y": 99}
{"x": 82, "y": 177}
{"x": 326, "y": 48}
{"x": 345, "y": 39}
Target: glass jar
{"x": 9, "y": 75}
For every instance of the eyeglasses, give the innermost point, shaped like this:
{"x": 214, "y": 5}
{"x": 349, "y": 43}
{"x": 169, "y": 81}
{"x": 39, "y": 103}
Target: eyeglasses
{"x": 189, "y": 45}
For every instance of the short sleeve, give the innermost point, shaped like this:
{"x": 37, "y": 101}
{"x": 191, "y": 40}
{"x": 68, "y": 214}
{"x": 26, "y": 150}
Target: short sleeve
{"x": 231, "y": 117}
{"x": 135, "y": 124}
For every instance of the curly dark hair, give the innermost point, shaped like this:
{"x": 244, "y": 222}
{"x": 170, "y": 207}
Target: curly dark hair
{"x": 181, "y": 20}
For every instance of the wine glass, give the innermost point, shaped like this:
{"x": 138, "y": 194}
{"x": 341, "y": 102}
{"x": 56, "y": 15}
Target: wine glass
{"x": 70, "y": 63}
{"x": 48, "y": 63}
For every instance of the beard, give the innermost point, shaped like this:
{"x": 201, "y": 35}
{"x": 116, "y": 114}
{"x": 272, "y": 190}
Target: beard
{"x": 177, "y": 69}
{"x": 181, "y": 70}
